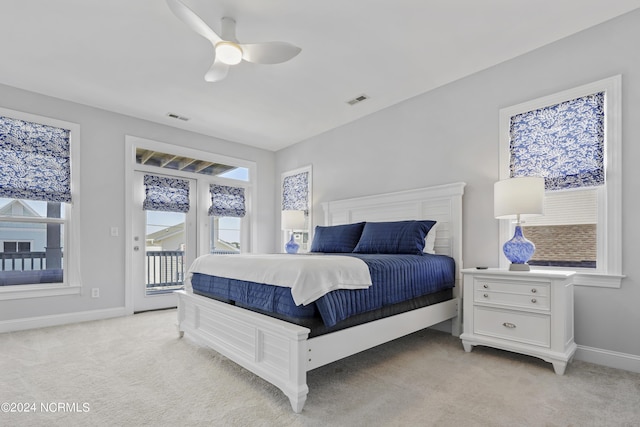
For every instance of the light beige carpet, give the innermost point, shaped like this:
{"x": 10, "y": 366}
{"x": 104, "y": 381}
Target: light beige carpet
{"x": 135, "y": 371}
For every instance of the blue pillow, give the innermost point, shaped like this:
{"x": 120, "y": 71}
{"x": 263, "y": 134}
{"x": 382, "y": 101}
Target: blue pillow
{"x": 398, "y": 237}
{"x": 336, "y": 238}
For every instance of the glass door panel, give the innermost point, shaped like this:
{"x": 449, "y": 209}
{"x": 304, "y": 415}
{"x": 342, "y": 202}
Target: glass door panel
{"x": 165, "y": 243}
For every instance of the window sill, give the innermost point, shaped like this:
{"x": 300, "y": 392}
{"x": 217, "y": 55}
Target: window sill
{"x": 591, "y": 279}
{"x": 598, "y": 280}
{"x": 37, "y": 291}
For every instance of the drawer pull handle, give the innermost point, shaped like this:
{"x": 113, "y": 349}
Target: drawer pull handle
{"x": 533, "y": 300}
{"x": 485, "y": 286}
{"x": 509, "y": 325}
{"x": 533, "y": 291}
{"x": 486, "y": 295}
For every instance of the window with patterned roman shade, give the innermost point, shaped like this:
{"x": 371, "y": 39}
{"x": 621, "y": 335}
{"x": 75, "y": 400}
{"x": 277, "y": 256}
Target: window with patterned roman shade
{"x": 563, "y": 143}
{"x": 39, "y": 165}
{"x": 295, "y": 192}
{"x": 166, "y": 194}
{"x": 572, "y": 139}
{"x": 227, "y": 201}
{"x": 34, "y": 161}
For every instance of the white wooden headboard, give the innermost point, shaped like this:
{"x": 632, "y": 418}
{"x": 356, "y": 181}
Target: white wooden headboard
{"x": 442, "y": 203}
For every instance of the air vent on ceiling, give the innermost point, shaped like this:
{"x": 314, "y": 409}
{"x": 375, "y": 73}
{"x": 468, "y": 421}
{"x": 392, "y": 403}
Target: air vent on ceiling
{"x": 175, "y": 116}
{"x": 357, "y": 99}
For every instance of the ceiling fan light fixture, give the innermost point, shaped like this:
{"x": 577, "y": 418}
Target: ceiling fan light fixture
{"x": 229, "y": 53}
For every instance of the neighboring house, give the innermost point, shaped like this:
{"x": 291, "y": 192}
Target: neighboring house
{"x": 165, "y": 257}
{"x": 172, "y": 239}
{"x": 26, "y": 255}
{"x": 20, "y": 237}
{"x": 167, "y": 239}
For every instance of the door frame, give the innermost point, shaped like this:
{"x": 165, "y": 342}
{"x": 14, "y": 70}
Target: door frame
{"x": 249, "y": 240}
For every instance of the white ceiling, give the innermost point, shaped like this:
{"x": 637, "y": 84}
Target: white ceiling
{"x": 136, "y": 58}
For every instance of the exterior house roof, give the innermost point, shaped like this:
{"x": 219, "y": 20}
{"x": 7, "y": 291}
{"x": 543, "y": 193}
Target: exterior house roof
{"x": 159, "y": 236}
{"x": 20, "y": 206}
{"x": 166, "y": 233}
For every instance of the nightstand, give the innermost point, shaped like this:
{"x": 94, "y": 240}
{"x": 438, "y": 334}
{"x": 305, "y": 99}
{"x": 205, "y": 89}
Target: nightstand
{"x": 525, "y": 312}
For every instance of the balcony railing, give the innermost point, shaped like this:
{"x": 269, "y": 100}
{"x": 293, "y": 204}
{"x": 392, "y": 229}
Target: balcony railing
{"x": 165, "y": 269}
{"x": 23, "y": 261}
{"x": 26, "y": 268}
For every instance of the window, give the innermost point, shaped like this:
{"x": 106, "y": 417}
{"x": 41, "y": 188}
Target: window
{"x": 226, "y": 212}
{"x": 225, "y": 235}
{"x": 17, "y": 247}
{"x": 297, "y": 196}
{"x": 36, "y": 206}
{"x": 572, "y": 139}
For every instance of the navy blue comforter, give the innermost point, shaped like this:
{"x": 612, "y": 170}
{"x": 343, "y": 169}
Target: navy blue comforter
{"x": 395, "y": 278}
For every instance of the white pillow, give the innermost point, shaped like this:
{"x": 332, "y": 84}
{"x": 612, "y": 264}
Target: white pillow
{"x": 430, "y": 240}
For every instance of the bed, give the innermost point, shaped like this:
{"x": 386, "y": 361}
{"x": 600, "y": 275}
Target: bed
{"x": 282, "y": 352}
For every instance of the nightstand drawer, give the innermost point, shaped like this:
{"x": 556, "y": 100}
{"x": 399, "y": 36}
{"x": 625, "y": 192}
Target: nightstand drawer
{"x": 528, "y": 328}
{"x": 533, "y": 301}
{"x": 524, "y": 288}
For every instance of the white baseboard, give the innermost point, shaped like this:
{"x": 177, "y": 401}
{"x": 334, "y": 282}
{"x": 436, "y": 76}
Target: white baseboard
{"x": 60, "y": 319}
{"x": 612, "y": 359}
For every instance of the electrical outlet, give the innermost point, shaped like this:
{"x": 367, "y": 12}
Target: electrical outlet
{"x": 115, "y": 232}
{"x": 95, "y": 293}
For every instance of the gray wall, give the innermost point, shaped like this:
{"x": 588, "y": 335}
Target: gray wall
{"x": 102, "y": 201}
{"x": 451, "y": 134}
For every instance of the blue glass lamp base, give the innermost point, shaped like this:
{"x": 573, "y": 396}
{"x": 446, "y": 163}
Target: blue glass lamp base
{"x": 292, "y": 247}
{"x": 519, "y": 250}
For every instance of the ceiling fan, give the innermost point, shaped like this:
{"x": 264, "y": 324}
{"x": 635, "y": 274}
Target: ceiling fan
{"x": 228, "y": 51}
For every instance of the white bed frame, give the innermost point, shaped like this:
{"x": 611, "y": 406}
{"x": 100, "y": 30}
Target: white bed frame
{"x": 281, "y": 352}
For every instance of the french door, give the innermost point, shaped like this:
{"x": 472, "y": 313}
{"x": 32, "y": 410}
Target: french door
{"x": 164, "y": 244}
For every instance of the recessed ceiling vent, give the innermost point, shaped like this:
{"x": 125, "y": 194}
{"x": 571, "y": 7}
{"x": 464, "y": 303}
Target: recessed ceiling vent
{"x": 358, "y": 99}
{"x": 175, "y": 116}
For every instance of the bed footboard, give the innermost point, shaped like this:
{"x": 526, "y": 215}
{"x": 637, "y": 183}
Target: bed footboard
{"x": 272, "y": 349}
{"x": 281, "y": 352}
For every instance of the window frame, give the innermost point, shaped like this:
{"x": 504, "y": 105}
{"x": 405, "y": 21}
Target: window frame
{"x": 609, "y": 225}
{"x": 71, "y": 283}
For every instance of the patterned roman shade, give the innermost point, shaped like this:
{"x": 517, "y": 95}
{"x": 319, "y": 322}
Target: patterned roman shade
{"x": 166, "y": 194}
{"x": 295, "y": 192}
{"x": 227, "y": 201}
{"x": 34, "y": 161}
{"x": 563, "y": 143}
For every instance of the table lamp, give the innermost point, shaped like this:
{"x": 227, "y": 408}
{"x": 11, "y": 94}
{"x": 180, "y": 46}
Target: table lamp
{"x": 514, "y": 198}
{"x": 292, "y": 220}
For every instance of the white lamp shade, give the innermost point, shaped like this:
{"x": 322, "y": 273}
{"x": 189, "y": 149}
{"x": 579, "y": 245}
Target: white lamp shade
{"x": 292, "y": 220}
{"x": 518, "y": 196}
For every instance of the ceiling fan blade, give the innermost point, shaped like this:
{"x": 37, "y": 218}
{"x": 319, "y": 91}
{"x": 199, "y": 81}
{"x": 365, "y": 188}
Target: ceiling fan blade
{"x": 269, "y": 52}
{"x": 194, "y": 22}
{"x": 217, "y": 72}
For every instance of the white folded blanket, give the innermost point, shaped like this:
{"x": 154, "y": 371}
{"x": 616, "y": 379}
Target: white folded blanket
{"x": 308, "y": 276}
